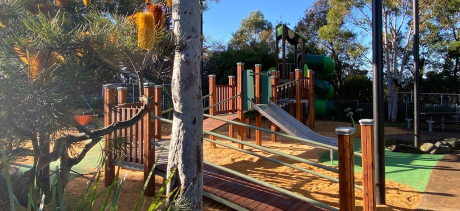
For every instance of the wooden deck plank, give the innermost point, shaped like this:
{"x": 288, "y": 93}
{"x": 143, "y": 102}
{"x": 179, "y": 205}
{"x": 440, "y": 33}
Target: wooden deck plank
{"x": 265, "y": 205}
{"x": 243, "y": 192}
{"x": 286, "y": 205}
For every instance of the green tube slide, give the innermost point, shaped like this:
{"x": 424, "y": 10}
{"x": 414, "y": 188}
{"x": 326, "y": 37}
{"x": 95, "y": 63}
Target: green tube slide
{"x": 322, "y": 66}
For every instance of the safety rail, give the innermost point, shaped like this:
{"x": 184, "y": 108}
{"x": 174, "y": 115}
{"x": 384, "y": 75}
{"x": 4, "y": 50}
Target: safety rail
{"x": 221, "y": 102}
{"x": 259, "y": 182}
{"x": 269, "y": 151}
{"x": 172, "y": 109}
{"x": 280, "y": 134}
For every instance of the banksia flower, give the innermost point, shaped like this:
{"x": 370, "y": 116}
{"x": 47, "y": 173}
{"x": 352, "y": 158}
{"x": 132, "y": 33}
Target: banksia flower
{"x": 37, "y": 60}
{"x": 158, "y": 14}
{"x": 145, "y": 30}
{"x": 87, "y": 2}
{"x": 169, "y": 3}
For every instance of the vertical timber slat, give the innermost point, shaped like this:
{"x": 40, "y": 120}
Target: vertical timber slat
{"x": 239, "y": 106}
{"x": 298, "y": 95}
{"x": 291, "y": 93}
{"x": 149, "y": 134}
{"x": 258, "y": 70}
{"x": 272, "y": 125}
{"x": 122, "y": 99}
{"x": 109, "y": 100}
{"x": 212, "y": 101}
{"x": 231, "y": 108}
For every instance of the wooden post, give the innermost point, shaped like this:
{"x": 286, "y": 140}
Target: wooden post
{"x": 121, "y": 115}
{"x": 231, "y": 107}
{"x": 367, "y": 146}
{"x": 248, "y": 130}
{"x": 109, "y": 100}
{"x": 283, "y": 46}
{"x": 311, "y": 99}
{"x": 158, "y": 108}
{"x": 212, "y": 101}
{"x": 149, "y": 135}
{"x": 122, "y": 95}
{"x": 291, "y": 93}
{"x": 272, "y": 125}
{"x": 239, "y": 101}
{"x": 258, "y": 70}
{"x": 346, "y": 168}
{"x": 298, "y": 96}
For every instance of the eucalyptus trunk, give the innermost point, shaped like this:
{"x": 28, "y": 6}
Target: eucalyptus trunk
{"x": 186, "y": 147}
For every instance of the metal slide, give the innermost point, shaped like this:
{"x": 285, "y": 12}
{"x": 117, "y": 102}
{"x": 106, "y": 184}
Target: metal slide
{"x": 290, "y": 125}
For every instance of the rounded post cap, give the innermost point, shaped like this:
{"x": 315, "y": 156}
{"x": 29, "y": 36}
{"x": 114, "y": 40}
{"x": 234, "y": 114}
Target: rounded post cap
{"x": 345, "y": 131}
{"x": 109, "y": 86}
{"x": 231, "y": 76}
{"x": 240, "y": 63}
{"x": 298, "y": 70}
{"x": 258, "y": 65}
{"x": 212, "y": 76}
{"x": 366, "y": 122}
{"x": 273, "y": 76}
{"x": 149, "y": 84}
{"x": 158, "y": 86}
{"x": 122, "y": 88}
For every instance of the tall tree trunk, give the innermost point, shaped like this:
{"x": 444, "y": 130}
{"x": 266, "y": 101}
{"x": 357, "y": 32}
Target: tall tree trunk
{"x": 186, "y": 148}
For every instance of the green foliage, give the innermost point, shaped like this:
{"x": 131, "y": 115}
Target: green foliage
{"x": 252, "y": 43}
{"x": 112, "y": 192}
{"x": 254, "y": 30}
{"x": 324, "y": 27}
{"x": 356, "y": 87}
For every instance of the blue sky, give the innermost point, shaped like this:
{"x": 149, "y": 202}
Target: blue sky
{"x": 224, "y": 17}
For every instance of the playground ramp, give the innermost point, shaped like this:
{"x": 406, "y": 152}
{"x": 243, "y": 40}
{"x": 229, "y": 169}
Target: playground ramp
{"x": 290, "y": 125}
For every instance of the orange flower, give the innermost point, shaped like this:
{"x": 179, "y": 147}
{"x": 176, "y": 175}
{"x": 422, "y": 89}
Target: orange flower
{"x": 145, "y": 30}
{"x": 37, "y": 61}
{"x": 158, "y": 14}
{"x": 169, "y": 3}
{"x": 87, "y": 2}
{"x": 61, "y": 3}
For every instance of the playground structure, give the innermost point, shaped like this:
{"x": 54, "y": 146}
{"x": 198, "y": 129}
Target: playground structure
{"x": 321, "y": 66}
{"x": 140, "y": 154}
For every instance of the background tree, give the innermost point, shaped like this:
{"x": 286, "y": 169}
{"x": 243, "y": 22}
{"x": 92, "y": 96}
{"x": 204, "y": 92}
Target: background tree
{"x": 253, "y": 43}
{"x": 338, "y": 42}
{"x": 397, "y": 36}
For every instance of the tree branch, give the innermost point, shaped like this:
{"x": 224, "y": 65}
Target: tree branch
{"x": 63, "y": 142}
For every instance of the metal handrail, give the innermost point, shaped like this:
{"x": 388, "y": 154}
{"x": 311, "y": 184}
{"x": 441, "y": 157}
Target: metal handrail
{"x": 167, "y": 110}
{"x": 285, "y": 84}
{"x": 278, "y": 161}
{"x": 263, "y": 148}
{"x": 282, "y": 190}
{"x": 221, "y": 102}
{"x": 252, "y": 179}
{"x": 281, "y": 134}
{"x": 206, "y": 96}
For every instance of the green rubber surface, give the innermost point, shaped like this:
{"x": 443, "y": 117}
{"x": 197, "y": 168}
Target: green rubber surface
{"x": 86, "y": 166}
{"x": 413, "y": 170}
